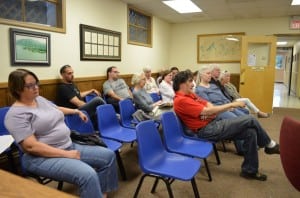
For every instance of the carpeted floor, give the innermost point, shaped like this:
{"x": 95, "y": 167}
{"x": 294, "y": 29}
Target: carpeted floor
{"x": 226, "y": 180}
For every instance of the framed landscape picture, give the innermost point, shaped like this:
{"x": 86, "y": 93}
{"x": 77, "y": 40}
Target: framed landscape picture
{"x": 29, "y": 48}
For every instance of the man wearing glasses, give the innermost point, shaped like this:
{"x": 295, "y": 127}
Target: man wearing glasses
{"x": 115, "y": 88}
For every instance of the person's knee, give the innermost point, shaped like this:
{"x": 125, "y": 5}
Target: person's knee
{"x": 97, "y": 101}
{"x": 110, "y": 156}
{"x": 87, "y": 176}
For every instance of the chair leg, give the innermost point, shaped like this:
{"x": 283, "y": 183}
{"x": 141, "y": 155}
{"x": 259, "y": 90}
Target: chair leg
{"x": 154, "y": 185}
{"x": 207, "y": 169}
{"x": 224, "y": 147}
{"x": 121, "y": 166}
{"x": 11, "y": 160}
{"x": 168, "y": 184}
{"x": 139, "y": 186}
{"x": 216, "y": 154}
{"x": 60, "y": 185}
{"x": 195, "y": 189}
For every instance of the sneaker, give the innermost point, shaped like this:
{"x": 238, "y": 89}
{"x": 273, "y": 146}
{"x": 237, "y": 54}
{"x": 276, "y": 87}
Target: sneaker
{"x": 257, "y": 176}
{"x": 263, "y": 115}
{"x": 273, "y": 150}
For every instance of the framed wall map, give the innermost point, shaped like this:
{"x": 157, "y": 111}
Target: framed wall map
{"x": 99, "y": 44}
{"x": 219, "y": 48}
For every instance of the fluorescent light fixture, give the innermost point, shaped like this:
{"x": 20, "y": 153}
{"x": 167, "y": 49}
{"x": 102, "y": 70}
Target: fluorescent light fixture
{"x": 183, "y": 6}
{"x": 232, "y": 39}
{"x": 295, "y": 2}
{"x": 281, "y": 43}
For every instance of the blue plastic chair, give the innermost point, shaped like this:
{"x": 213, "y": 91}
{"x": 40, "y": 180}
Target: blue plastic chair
{"x": 109, "y": 125}
{"x": 4, "y": 131}
{"x": 74, "y": 122}
{"x": 155, "y": 97}
{"x": 176, "y": 142}
{"x": 126, "y": 110}
{"x": 192, "y": 135}
{"x": 90, "y": 96}
{"x": 155, "y": 161}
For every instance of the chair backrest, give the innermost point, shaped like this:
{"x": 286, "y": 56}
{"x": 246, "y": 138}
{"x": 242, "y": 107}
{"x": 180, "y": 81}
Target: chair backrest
{"x": 74, "y": 122}
{"x": 150, "y": 147}
{"x": 126, "y": 110}
{"x": 3, "y": 130}
{"x": 290, "y": 150}
{"x": 89, "y": 97}
{"x": 107, "y": 118}
{"x": 155, "y": 97}
{"x": 172, "y": 130}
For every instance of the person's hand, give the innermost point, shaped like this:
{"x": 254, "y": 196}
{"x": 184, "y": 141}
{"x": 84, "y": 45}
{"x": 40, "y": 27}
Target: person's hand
{"x": 157, "y": 103}
{"x": 82, "y": 116}
{"x": 74, "y": 154}
{"x": 96, "y": 91}
{"x": 238, "y": 104}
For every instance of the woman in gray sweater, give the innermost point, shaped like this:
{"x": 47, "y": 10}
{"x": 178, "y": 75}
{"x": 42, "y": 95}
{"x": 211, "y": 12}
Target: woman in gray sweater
{"x": 141, "y": 98}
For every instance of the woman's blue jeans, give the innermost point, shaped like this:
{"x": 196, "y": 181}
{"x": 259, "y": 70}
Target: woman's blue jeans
{"x": 95, "y": 173}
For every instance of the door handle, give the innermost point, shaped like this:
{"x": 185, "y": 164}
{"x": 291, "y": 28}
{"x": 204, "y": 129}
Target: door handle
{"x": 242, "y": 83}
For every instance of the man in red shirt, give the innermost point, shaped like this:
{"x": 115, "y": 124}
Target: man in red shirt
{"x": 199, "y": 116}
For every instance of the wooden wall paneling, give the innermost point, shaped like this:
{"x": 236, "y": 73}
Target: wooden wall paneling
{"x": 3, "y": 97}
{"x": 48, "y": 88}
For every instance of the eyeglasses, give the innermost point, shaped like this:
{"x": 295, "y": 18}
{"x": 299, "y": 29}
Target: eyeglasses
{"x": 32, "y": 85}
{"x": 116, "y": 72}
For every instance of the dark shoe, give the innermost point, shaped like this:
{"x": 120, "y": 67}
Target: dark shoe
{"x": 263, "y": 115}
{"x": 273, "y": 150}
{"x": 256, "y": 176}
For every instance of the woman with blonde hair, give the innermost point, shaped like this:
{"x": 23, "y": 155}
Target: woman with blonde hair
{"x": 141, "y": 98}
{"x": 150, "y": 86}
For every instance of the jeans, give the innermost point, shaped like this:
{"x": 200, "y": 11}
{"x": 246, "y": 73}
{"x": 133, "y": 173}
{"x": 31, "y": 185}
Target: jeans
{"x": 95, "y": 173}
{"x": 114, "y": 103}
{"x": 90, "y": 108}
{"x": 245, "y": 128}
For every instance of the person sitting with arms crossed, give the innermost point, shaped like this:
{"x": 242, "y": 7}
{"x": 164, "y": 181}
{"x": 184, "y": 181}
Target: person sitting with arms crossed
{"x": 68, "y": 95}
{"x": 38, "y": 126}
{"x": 198, "y": 115}
{"x": 115, "y": 88}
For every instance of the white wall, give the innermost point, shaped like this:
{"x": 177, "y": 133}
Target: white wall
{"x": 183, "y": 48}
{"x": 65, "y": 48}
{"x": 296, "y": 67}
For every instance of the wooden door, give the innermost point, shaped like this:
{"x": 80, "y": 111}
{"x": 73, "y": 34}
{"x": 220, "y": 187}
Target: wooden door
{"x": 258, "y": 70}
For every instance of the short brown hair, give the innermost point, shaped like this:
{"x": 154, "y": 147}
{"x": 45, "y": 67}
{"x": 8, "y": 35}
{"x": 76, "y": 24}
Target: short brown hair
{"x": 16, "y": 81}
{"x": 108, "y": 70}
{"x": 63, "y": 68}
{"x": 164, "y": 74}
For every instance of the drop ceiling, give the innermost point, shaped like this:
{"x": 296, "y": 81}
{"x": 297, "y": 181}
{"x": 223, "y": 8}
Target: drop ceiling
{"x": 220, "y": 10}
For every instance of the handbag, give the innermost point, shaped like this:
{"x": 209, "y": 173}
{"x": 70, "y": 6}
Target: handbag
{"x": 87, "y": 139}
